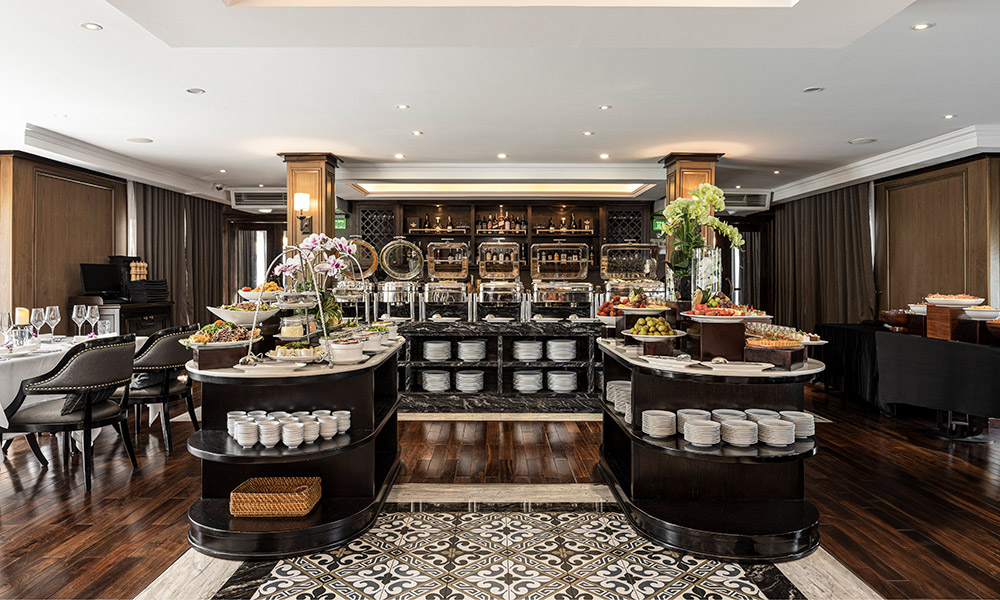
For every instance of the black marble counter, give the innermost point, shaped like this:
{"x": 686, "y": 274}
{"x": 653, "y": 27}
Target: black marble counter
{"x": 483, "y": 329}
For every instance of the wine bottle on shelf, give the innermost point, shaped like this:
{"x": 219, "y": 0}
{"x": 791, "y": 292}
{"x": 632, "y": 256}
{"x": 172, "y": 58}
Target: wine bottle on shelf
{"x": 449, "y": 223}
{"x": 427, "y": 221}
{"x": 562, "y": 224}
{"x": 479, "y": 222}
{"x": 572, "y": 222}
{"x": 551, "y": 226}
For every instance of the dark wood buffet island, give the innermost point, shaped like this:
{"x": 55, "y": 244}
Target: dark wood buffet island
{"x": 741, "y": 503}
{"x": 357, "y": 468}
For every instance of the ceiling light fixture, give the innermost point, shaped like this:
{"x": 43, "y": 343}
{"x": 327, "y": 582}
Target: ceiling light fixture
{"x": 500, "y": 190}
{"x": 777, "y": 172}
{"x": 399, "y": 155}
{"x": 64, "y": 116}
{"x": 812, "y": 89}
{"x": 402, "y": 106}
{"x": 922, "y": 26}
{"x": 861, "y": 141}
{"x": 416, "y": 132}
{"x": 739, "y": 186}
{"x": 946, "y": 116}
{"x": 605, "y": 156}
{"x": 266, "y": 210}
{"x": 91, "y": 26}
{"x": 222, "y": 170}
{"x": 588, "y": 133}
{"x": 605, "y": 107}
{"x": 139, "y": 140}
{"x": 260, "y": 185}
{"x": 501, "y": 155}
{"x": 195, "y": 91}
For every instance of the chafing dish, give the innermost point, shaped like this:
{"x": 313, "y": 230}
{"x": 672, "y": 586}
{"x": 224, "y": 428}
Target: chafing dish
{"x": 628, "y": 261}
{"x": 397, "y": 298}
{"x": 499, "y": 260}
{"x": 559, "y": 261}
{"x": 401, "y": 260}
{"x": 354, "y": 297}
{"x": 445, "y": 292}
{"x": 499, "y": 292}
{"x": 447, "y": 261}
{"x": 366, "y": 257}
{"x": 562, "y": 292}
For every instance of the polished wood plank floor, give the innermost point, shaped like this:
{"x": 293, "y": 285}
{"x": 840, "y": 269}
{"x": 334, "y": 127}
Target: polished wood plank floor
{"x": 913, "y": 516}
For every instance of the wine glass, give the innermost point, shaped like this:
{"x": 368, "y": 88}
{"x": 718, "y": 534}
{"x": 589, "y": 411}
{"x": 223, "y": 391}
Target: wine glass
{"x": 93, "y": 316}
{"x": 6, "y": 325}
{"x": 52, "y": 318}
{"x": 37, "y": 319}
{"x": 79, "y": 316}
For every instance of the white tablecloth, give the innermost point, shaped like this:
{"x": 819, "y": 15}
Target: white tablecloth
{"x": 16, "y": 368}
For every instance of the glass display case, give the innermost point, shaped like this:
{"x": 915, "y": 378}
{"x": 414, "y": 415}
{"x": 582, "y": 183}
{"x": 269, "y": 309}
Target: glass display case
{"x": 366, "y": 257}
{"x": 401, "y": 260}
{"x": 655, "y": 290}
{"x": 447, "y": 260}
{"x": 628, "y": 261}
{"x": 492, "y": 293}
{"x": 565, "y": 293}
{"x": 559, "y": 261}
{"x": 499, "y": 260}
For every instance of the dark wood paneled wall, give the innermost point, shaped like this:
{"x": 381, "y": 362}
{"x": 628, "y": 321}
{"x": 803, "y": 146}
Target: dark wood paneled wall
{"x": 937, "y": 231}
{"x": 52, "y": 218}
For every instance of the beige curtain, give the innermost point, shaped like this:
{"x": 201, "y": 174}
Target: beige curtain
{"x": 821, "y": 259}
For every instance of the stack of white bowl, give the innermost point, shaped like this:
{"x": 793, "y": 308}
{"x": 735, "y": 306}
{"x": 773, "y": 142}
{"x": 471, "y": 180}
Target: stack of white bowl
{"x": 527, "y": 382}
{"x": 269, "y": 431}
{"x": 659, "y": 423}
{"x": 327, "y": 426}
{"x": 776, "y": 432}
{"x": 435, "y": 381}
{"x": 702, "y": 433}
{"x": 756, "y": 414}
{"x": 437, "y": 350}
{"x": 245, "y": 433}
{"x": 728, "y": 414}
{"x": 561, "y": 350}
{"x": 232, "y": 417}
{"x": 739, "y": 433}
{"x": 620, "y": 395}
{"x": 561, "y": 382}
{"x": 691, "y": 414}
{"x": 343, "y": 420}
{"x": 310, "y": 428}
{"x": 257, "y": 413}
{"x": 292, "y": 433}
{"x": 471, "y": 350}
{"x": 527, "y": 350}
{"x": 279, "y": 414}
{"x": 805, "y": 423}
{"x": 469, "y": 381}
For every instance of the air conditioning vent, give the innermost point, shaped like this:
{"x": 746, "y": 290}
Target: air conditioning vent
{"x": 255, "y": 199}
{"x": 745, "y": 202}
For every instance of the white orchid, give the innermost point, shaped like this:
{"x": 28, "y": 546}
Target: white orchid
{"x": 686, "y": 216}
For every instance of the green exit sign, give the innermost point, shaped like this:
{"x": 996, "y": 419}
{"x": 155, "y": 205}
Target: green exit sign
{"x": 340, "y": 222}
{"x": 658, "y": 224}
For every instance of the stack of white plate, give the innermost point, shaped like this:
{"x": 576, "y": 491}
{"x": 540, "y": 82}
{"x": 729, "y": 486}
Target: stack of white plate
{"x": 805, "y": 424}
{"x": 620, "y": 395}
{"x": 527, "y": 350}
{"x": 691, "y": 414}
{"x": 327, "y": 426}
{"x": 702, "y": 433}
{"x": 739, "y": 433}
{"x": 728, "y": 414}
{"x": 756, "y": 414}
{"x": 437, "y": 350}
{"x": 561, "y": 382}
{"x": 469, "y": 381}
{"x": 659, "y": 423}
{"x": 343, "y": 420}
{"x": 776, "y": 432}
{"x": 269, "y": 432}
{"x": 245, "y": 433}
{"x": 292, "y": 434}
{"x": 527, "y": 382}
{"x": 561, "y": 350}
{"x": 435, "y": 381}
{"x": 472, "y": 350}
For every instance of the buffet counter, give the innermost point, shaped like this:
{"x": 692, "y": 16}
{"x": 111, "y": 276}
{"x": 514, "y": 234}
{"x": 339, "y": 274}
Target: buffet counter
{"x": 726, "y": 501}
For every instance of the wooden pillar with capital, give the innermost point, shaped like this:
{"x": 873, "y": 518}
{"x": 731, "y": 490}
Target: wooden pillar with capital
{"x": 311, "y": 173}
{"x": 686, "y": 171}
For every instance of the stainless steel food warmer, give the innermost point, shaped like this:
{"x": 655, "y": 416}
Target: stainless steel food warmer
{"x": 500, "y": 293}
{"x": 557, "y": 271}
{"x": 403, "y": 262}
{"x": 355, "y": 298}
{"x": 499, "y": 260}
{"x": 446, "y": 294}
{"x": 630, "y": 266}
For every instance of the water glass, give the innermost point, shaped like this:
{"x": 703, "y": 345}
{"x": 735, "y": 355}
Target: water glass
{"x": 104, "y": 327}
{"x": 52, "y": 318}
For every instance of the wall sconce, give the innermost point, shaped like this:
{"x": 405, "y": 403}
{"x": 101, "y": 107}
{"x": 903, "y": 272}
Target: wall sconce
{"x": 300, "y": 203}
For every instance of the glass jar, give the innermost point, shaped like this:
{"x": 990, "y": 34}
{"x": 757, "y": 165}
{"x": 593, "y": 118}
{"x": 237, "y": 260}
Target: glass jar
{"x": 292, "y": 327}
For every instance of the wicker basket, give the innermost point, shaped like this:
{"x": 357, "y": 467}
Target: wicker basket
{"x": 275, "y": 497}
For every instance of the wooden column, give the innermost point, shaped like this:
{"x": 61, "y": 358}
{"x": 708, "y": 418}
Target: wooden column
{"x": 313, "y": 174}
{"x": 685, "y": 171}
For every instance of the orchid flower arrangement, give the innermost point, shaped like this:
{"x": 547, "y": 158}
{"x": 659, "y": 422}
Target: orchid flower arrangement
{"x": 685, "y": 218}
{"x": 318, "y": 256}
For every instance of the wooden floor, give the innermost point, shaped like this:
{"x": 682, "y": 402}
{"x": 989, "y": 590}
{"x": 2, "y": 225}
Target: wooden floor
{"x": 912, "y": 516}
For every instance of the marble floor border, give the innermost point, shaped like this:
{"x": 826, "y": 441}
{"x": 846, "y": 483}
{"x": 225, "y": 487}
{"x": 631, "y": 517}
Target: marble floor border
{"x": 193, "y": 576}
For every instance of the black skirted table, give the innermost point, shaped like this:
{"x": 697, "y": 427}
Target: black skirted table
{"x": 850, "y": 359}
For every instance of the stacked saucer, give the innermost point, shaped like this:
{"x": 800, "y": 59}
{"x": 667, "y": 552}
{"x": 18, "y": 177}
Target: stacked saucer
{"x": 292, "y": 434}
{"x": 805, "y": 424}
{"x": 659, "y": 423}
{"x": 469, "y": 381}
{"x": 691, "y": 414}
{"x": 756, "y": 414}
{"x": 728, "y": 414}
{"x": 470, "y": 350}
{"x": 527, "y": 382}
{"x": 776, "y": 432}
{"x": 343, "y": 420}
{"x": 703, "y": 433}
{"x": 527, "y": 350}
{"x": 437, "y": 350}
{"x": 739, "y": 433}
{"x": 620, "y": 395}
{"x": 245, "y": 433}
{"x": 561, "y": 350}
{"x": 269, "y": 432}
{"x": 327, "y": 426}
{"x": 561, "y": 382}
{"x": 435, "y": 381}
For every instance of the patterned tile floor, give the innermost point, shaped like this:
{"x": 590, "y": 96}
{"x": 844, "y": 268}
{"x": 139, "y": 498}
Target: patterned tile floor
{"x": 513, "y": 555}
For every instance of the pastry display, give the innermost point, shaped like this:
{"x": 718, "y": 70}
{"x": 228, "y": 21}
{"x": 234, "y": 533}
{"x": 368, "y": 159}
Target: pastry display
{"x": 303, "y": 349}
{"x": 779, "y": 332}
{"x": 773, "y": 343}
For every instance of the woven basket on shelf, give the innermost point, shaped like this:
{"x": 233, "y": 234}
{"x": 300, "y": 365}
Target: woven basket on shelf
{"x": 275, "y": 497}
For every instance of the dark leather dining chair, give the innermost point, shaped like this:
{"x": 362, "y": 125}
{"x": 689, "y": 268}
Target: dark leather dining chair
{"x": 163, "y": 355}
{"x": 86, "y": 378}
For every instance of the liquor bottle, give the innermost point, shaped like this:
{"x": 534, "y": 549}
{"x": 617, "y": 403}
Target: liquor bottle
{"x": 562, "y": 224}
{"x": 551, "y": 226}
{"x": 479, "y": 222}
{"x": 427, "y": 221}
{"x": 449, "y": 223}
{"x": 572, "y": 223}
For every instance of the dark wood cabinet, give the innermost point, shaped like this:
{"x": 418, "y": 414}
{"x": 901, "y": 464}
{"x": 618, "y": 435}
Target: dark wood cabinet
{"x": 140, "y": 318}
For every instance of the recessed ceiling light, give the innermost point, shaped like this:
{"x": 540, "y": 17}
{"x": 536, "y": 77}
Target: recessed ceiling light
{"x": 260, "y": 185}
{"x": 605, "y": 107}
{"x": 64, "y": 116}
{"x": 588, "y": 133}
{"x": 812, "y": 89}
{"x": 777, "y": 172}
{"x": 501, "y": 155}
{"x": 416, "y": 132}
{"x": 860, "y": 141}
{"x": 222, "y": 170}
{"x": 402, "y": 106}
{"x": 398, "y": 155}
{"x": 195, "y": 91}
{"x": 739, "y": 186}
{"x": 605, "y": 156}
{"x": 91, "y": 26}
{"x": 922, "y": 26}
{"x": 266, "y": 210}
{"x": 139, "y": 140}
{"x": 946, "y": 116}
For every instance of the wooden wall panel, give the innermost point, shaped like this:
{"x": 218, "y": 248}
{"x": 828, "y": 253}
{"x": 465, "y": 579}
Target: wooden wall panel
{"x": 6, "y": 232}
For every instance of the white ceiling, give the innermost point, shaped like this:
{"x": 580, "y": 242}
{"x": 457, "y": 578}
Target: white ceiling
{"x": 484, "y": 80}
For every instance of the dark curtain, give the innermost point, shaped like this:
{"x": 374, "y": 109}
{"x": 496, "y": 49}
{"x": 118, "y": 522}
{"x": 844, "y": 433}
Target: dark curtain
{"x": 181, "y": 237}
{"x": 821, "y": 262}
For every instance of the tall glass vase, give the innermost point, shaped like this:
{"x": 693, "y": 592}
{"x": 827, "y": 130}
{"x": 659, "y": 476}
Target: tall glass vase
{"x": 706, "y": 269}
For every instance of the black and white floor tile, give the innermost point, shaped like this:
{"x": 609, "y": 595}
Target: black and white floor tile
{"x": 550, "y": 555}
